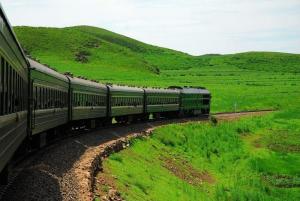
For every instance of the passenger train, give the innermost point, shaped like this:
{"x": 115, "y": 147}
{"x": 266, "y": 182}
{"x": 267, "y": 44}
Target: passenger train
{"x": 36, "y": 102}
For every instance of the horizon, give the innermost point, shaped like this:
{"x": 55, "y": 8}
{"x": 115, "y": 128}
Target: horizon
{"x": 259, "y": 26}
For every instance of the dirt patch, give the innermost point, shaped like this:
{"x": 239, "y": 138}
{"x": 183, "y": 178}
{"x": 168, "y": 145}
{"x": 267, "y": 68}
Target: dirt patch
{"x": 257, "y": 144}
{"x": 105, "y": 187}
{"x": 92, "y": 44}
{"x": 82, "y": 56}
{"x": 238, "y": 115}
{"x": 183, "y": 170}
{"x": 282, "y": 181}
{"x": 284, "y": 148}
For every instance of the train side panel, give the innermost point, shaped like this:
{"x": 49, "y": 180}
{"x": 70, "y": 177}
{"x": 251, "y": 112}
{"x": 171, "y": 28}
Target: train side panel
{"x": 126, "y": 101}
{"x": 88, "y": 99}
{"x": 13, "y": 93}
{"x": 49, "y": 98}
{"x": 195, "y": 101}
{"x": 162, "y": 100}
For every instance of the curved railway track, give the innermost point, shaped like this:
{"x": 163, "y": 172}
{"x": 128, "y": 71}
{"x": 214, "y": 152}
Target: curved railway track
{"x": 64, "y": 170}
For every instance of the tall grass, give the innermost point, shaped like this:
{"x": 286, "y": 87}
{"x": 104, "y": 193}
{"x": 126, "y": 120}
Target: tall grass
{"x": 228, "y": 152}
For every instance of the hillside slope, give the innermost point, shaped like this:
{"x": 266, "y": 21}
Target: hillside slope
{"x": 100, "y": 54}
{"x": 97, "y": 53}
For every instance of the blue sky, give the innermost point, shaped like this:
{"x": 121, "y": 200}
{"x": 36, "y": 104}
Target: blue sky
{"x": 193, "y": 26}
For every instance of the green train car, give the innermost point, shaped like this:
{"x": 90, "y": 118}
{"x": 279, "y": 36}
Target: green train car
{"x": 126, "y": 103}
{"x": 88, "y": 101}
{"x": 13, "y": 95}
{"x": 162, "y": 102}
{"x": 49, "y": 98}
{"x": 195, "y": 101}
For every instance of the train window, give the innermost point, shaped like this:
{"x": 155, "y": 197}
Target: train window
{"x": 17, "y": 93}
{"x": 12, "y": 100}
{"x": 60, "y": 95}
{"x": 53, "y": 98}
{"x": 87, "y": 100}
{"x": 34, "y": 96}
{"x": 39, "y": 98}
{"x": 23, "y": 95}
{"x": 8, "y": 89}
{"x": 48, "y": 98}
{"x": 78, "y": 99}
{"x": 59, "y": 99}
{"x": 62, "y": 99}
{"x": 4, "y": 98}
{"x": 56, "y": 99}
{"x": 75, "y": 99}
{"x": 17, "y": 90}
{"x": 44, "y": 98}
{"x": 64, "y": 96}
{"x": 82, "y": 99}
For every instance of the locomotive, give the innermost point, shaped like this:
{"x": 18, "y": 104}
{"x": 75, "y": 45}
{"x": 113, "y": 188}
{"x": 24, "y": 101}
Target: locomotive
{"x": 37, "y": 103}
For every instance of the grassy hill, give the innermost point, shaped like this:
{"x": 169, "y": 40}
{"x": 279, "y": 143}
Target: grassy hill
{"x": 97, "y": 53}
{"x": 245, "y": 81}
{"x": 80, "y": 48}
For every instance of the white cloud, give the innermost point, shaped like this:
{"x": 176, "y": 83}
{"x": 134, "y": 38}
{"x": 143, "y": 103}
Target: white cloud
{"x": 194, "y": 26}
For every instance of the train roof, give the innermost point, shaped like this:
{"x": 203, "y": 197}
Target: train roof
{"x": 188, "y": 90}
{"x": 165, "y": 91}
{"x": 88, "y": 83}
{"x": 44, "y": 69}
{"x": 12, "y": 33}
{"x": 116, "y": 88}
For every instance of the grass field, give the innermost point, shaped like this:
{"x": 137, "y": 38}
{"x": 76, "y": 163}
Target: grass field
{"x": 254, "y": 158}
{"x": 246, "y": 81}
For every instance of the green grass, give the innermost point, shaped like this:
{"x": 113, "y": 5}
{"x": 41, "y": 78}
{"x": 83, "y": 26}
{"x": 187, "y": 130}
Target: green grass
{"x": 245, "y": 81}
{"x": 237, "y": 155}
